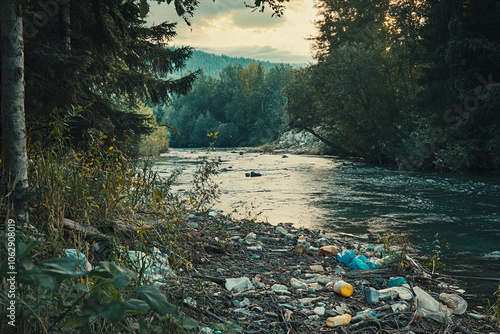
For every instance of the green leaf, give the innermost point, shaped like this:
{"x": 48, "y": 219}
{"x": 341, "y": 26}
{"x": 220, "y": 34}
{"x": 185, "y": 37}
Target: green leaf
{"x": 136, "y": 306}
{"x": 156, "y": 300}
{"x": 187, "y": 323}
{"x": 69, "y": 300}
{"x": 114, "y": 311}
{"x": 115, "y": 270}
{"x": 144, "y": 8}
{"x": 72, "y": 323}
{"x": 24, "y": 249}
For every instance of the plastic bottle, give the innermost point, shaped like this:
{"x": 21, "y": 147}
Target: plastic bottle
{"x": 342, "y": 288}
{"x": 371, "y": 296}
{"x": 339, "y": 320}
{"x": 455, "y": 302}
{"x": 365, "y": 314}
{"x": 428, "y": 307}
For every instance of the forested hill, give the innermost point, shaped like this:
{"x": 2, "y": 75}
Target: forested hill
{"x": 213, "y": 64}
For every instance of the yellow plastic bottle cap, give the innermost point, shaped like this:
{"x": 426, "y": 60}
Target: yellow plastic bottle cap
{"x": 344, "y": 289}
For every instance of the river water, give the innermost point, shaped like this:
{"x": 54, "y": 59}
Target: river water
{"x": 353, "y": 197}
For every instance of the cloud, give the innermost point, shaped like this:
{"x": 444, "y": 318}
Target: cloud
{"x": 242, "y": 19}
{"x": 230, "y": 26}
{"x": 263, "y": 53}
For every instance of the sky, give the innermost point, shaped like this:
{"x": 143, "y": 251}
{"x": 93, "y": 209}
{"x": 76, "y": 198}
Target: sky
{"x": 228, "y": 27}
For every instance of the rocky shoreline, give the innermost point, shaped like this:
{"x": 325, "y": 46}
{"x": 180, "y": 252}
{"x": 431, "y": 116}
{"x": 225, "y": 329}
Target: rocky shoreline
{"x": 253, "y": 277}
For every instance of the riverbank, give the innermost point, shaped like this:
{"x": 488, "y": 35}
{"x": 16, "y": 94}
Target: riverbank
{"x": 322, "y": 192}
{"x": 260, "y": 278}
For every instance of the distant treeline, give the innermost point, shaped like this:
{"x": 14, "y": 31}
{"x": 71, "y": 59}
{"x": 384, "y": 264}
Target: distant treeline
{"x": 212, "y": 64}
{"x": 245, "y": 105}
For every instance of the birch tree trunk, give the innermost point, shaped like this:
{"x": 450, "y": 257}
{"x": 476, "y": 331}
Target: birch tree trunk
{"x": 12, "y": 108}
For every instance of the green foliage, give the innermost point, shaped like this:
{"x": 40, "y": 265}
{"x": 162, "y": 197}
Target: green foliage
{"x": 212, "y": 64}
{"x": 106, "y": 302}
{"x": 245, "y": 105}
{"x": 155, "y": 142}
{"x": 395, "y": 250}
{"x": 406, "y": 82}
{"x": 495, "y": 307}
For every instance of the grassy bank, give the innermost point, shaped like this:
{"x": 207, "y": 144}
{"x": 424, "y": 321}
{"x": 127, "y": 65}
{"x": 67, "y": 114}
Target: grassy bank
{"x": 102, "y": 206}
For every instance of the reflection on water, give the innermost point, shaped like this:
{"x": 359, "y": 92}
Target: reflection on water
{"x": 462, "y": 209}
{"x": 343, "y": 196}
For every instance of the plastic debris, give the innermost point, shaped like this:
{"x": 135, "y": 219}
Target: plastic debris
{"x": 371, "y": 296}
{"x": 396, "y": 281}
{"x": 360, "y": 262}
{"x": 341, "y": 288}
{"x": 85, "y": 265}
{"x": 455, "y": 302}
{"x": 238, "y": 283}
{"x": 428, "y": 307}
{"x": 281, "y": 230}
{"x": 316, "y": 267}
{"x": 320, "y": 310}
{"x": 339, "y": 320}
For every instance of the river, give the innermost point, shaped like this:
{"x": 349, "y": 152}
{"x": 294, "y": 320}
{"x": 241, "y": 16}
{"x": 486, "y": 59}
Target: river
{"x": 353, "y": 197}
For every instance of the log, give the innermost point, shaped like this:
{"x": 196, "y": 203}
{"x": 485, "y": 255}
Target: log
{"x": 88, "y": 231}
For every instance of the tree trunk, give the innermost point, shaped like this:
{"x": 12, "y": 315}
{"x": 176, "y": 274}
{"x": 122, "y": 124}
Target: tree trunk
{"x": 12, "y": 108}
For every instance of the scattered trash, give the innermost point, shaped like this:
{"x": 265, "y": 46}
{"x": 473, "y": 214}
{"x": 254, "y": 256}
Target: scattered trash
{"x": 455, "y": 302}
{"x": 396, "y": 281}
{"x": 281, "y": 290}
{"x": 360, "y": 262}
{"x": 245, "y": 302}
{"x": 365, "y": 314}
{"x": 334, "y": 250}
{"x": 428, "y": 307}
{"x": 281, "y": 230}
{"x": 238, "y": 283}
{"x": 320, "y": 311}
{"x": 371, "y": 296}
{"x": 316, "y": 267}
{"x": 339, "y": 320}
{"x": 77, "y": 255}
{"x": 342, "y": 288}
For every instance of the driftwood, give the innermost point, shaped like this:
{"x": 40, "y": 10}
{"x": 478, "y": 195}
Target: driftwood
{"x": 88, "y": 231}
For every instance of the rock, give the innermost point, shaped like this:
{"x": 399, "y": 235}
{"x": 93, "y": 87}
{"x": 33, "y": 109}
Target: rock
{"x": 298, "y": 284}
{"x": 316, "y": 267}
{"x": 281, "y": 289}
{"x": 331, "y": 249}
{"x": 243, "y": 303}
{"x": 253, "y": 174}
{"x": 320, "y": 310}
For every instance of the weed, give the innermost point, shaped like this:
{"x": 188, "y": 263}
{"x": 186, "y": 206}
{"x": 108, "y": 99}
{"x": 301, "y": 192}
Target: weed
{"x": 494, "y": 308}
{"x": 435, "y": 260}
{"x": 396, "y": 250}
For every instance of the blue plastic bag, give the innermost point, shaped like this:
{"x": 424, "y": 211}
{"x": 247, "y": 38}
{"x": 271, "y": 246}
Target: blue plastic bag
{"x": 360, "y": 262}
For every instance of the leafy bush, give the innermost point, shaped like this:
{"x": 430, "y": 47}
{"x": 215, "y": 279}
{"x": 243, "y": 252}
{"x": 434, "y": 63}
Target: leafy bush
{"x": 55, "y": 293}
